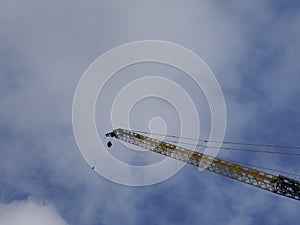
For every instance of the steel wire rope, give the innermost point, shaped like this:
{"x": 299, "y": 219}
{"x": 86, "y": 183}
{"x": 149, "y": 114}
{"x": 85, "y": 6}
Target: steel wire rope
{"x": 222, "y": 142}
{"x": 236, "y": 149}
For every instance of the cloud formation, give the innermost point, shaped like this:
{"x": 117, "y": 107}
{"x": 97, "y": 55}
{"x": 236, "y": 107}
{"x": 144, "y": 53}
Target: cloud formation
{"x": 253, "y": 48}
{"x": 26, "y": 212}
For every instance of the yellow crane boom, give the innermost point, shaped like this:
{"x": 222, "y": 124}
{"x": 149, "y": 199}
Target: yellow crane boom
{"x": 274, "y": 183}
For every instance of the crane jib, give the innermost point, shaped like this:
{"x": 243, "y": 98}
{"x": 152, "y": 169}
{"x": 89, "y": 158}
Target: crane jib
{"x": 274, "y": 183}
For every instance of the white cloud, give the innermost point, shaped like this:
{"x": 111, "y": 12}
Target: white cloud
{"x": 27, "y": 212}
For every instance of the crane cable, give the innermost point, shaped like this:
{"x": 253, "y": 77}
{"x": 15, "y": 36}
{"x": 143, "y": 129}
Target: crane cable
{"x": 231, "y": 143}
{"x": 292, "y": 175}
{"x": 237, "y": 149}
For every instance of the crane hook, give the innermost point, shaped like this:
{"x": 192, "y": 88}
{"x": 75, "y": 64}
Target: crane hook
{"x": 109, "y": 144}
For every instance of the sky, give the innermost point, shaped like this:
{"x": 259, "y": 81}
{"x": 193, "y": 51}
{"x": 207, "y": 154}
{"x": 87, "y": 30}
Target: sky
{"x": 253, "y": 49}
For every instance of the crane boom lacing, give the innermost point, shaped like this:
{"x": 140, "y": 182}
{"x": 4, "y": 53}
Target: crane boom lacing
{"x": 274, "y": 183}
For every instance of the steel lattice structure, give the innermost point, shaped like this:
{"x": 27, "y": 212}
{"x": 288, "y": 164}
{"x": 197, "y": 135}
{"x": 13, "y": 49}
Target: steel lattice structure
{"x": 274, "y": 183}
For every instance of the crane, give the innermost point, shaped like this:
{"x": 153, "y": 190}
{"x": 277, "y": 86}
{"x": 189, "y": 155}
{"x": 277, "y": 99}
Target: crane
{"x": 278, "y": 184}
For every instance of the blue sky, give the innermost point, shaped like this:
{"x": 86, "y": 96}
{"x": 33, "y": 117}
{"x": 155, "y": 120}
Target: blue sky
{"x": 253, "y": 48}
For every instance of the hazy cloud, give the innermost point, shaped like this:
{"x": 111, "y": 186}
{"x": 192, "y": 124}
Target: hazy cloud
{"x": 17, "y": 213}
{"x": 45, "y": 47}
